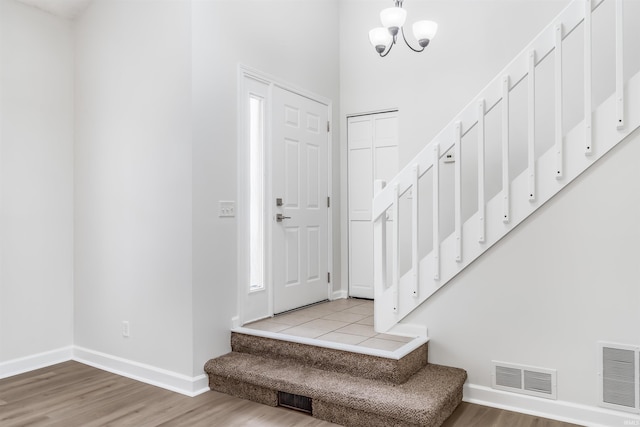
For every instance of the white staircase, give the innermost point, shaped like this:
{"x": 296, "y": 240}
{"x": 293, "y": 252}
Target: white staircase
{"x": 603, "y": 126}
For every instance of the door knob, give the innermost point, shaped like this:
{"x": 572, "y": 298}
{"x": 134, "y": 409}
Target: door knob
{"x": 280, "y": 217}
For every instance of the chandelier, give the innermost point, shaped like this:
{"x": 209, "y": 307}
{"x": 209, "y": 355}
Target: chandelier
{"x": 393, "y": 19}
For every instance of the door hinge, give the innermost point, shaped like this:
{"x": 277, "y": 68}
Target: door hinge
{"x": 328, "y": 202}
{"x": 328, "y": 277}
{"x": 328, "y": 126}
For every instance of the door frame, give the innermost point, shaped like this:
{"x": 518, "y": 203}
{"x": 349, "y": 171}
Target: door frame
{"x": 259, "y": 304}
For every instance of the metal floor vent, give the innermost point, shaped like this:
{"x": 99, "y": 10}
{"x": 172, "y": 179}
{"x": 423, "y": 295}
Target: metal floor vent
{"x": 539, "y": 382}
{"x": 294, "y": 401}
{"x": 619, "y": 377}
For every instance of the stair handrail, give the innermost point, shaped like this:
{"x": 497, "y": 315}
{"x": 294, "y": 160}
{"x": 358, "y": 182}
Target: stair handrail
{"x": 544, "y": 43}
{"x": 397, "y": 295}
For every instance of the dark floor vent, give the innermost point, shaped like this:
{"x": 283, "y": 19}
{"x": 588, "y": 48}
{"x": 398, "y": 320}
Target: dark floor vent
{"x": 294, "y": 401}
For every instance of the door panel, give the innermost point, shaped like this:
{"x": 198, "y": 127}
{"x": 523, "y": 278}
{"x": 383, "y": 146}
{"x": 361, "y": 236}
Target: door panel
{"x": 360, "y": 184}
{"x": 292, "y": 256}
{"x": 292, "y": 173}
{"x": 360, "y": 265}
{"x": 313, "y": 253}
{"x": 386, "y": 163}
{"x": 386, "y": 131}
{"x": 300, "y": 177}
{"x": 313, "y": 176}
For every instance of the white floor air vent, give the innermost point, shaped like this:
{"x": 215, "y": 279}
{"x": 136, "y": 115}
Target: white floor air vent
{"x": 539, "y": 382}
{"x": 619, "y": 376}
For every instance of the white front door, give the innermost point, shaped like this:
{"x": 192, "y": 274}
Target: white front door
{"x": 299, "y": 189}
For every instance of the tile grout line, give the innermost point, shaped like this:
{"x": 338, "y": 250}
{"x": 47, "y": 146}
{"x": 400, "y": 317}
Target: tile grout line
{"x": 323, "y": 310}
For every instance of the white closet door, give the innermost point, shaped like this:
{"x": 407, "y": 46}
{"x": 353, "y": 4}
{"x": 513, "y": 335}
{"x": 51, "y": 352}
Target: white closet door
{"x": 373, "y": 154}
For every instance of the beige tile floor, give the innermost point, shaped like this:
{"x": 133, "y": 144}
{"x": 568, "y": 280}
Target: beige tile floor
{"x": 345, "y": 321}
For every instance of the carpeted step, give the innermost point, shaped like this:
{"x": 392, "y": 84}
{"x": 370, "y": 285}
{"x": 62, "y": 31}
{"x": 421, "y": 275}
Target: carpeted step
{"x": 427, "y": 399}
{"x": 395, "y": 371}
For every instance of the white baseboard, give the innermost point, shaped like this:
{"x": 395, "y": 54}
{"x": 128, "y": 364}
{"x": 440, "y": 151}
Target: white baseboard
{"x": 341, "y": 294}
{"x": 235, "y": 322}
{"x": 409, "y": 329}
{"x": 179, "y": 383}
{"x": 589, "y": 416}
{"x": 36, "y": 361}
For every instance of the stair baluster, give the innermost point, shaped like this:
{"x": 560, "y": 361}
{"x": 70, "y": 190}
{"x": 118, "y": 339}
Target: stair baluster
{"x": 542, "y": 178}
{"x": 415, "y": 232}
{"x": 588, "y": 101}
{"x": 506, "y": 182}
{"x": 436, "y": 211}
{"x": 619, "y": 66}
{"x": 481, "y": 201}
{"x": 458, "y": 190}
{"x": 558, "y": 99}
{"x": 531, "y": 126}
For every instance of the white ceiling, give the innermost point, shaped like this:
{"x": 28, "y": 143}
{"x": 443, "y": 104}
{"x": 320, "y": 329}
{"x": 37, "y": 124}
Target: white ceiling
{"x": 67, "y": 9}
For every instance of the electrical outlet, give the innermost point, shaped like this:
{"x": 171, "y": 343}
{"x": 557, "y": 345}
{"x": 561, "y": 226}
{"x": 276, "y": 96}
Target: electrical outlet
{"x": 126, "y": 331}
{"x": 227, "y": 208}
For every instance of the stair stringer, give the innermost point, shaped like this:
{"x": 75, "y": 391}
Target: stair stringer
{"x": 606, "y": 135}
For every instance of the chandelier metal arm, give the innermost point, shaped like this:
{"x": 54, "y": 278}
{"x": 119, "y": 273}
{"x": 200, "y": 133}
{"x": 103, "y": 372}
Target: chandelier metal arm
{"x": 388, "y": 50}
{"x": 410, "y": 47}
{"x": 393, "y": 19}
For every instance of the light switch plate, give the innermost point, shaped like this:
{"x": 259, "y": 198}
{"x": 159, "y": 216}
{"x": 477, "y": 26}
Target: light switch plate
{"x": 449, "y": 158}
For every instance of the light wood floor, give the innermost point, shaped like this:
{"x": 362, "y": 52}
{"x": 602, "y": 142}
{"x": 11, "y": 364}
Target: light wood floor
{"x": 72, "y": 394}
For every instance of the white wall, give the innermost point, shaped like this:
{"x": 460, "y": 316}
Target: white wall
{"x": 296, "y": 41}
{"x": 475, "y": 40}
{"x": 133, "y": 187}
{"x": 155, "y": 149}
{"x": 36, "y": 182}
{"x": 155, "y": 131}
{"x": 567, "y": 277}
{"x": 553, "y": 287}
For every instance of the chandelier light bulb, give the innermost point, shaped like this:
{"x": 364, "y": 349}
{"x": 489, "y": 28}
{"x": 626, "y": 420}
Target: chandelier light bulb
{"x": 424, "y": 31}
{"x": 380, "y": 38}
{"x": 393, "y": 18}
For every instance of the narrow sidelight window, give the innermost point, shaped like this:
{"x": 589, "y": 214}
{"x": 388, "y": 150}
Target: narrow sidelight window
{"x": 256, "y": 185}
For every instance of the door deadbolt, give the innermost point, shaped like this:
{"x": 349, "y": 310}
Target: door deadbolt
{"x": 280, "y": 217}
